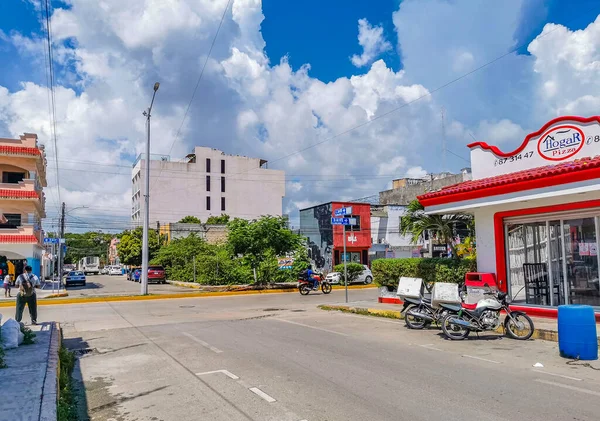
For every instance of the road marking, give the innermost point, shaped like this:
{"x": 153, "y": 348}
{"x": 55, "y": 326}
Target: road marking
{"x": 557, "y": 375}
{"x": 482, "y": 359}
{"x": 227, "y": 373}
{"x": 201, "y": 342}
{"x": 567, "y": 386}
{"x": 311, "y": 327}
{"x": 262, "y": 394}
{"x": 430, "y": 346}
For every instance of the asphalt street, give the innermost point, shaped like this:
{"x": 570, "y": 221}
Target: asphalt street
{"x": 278, "y": 357}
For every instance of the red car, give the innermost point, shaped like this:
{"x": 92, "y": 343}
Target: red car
{"x": 157, "y": 274}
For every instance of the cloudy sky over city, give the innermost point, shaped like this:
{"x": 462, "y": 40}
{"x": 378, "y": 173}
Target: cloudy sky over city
{"x": 343, "y": 96}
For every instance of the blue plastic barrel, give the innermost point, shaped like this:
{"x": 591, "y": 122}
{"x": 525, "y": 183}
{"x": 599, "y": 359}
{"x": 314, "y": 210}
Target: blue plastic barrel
{"x": 577, "y": 336}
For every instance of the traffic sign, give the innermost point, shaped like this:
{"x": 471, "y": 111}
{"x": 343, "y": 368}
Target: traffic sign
{"x": 343, "y": 211}
{"x": 50, "y": 240}
{"x": 343, "y": 221}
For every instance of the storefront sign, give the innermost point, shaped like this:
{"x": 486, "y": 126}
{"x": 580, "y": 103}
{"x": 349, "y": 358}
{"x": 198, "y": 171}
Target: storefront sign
{"x": 562, "y": 139}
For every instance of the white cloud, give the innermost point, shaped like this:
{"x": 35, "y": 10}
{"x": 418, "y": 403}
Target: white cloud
{"x": 392, "y": 166}
{"x": 463, "y": 62}
{"x": 498, "y": 132}
{"x": 372, "y": 41}
{"x": 416, "y": 172}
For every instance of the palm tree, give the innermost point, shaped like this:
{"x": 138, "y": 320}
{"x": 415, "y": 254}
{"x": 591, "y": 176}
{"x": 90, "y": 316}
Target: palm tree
{"x": 415, "y": 222}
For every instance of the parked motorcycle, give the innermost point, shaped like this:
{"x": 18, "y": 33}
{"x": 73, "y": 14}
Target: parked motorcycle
{"x": 420, "y": 313}
{"x": 306, "y": 286}
{"x": 485, "y": 315}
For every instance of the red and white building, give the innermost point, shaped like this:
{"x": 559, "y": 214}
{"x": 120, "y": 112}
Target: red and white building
{"x": 537, "y": 214}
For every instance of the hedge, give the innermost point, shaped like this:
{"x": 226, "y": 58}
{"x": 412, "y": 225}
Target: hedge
{"x": 386, "y": 272}
{"x": 353, "y": 271}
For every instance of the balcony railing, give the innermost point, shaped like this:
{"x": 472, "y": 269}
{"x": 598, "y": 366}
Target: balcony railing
{"x": 27, "y": 188}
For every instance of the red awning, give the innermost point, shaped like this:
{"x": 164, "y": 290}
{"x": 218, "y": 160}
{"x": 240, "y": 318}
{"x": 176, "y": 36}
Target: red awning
{"x": 18, "y": 239}
{"x": 19, "y": 194}
{"x": 533, "y": 178}
{"x": 19, "y": 150}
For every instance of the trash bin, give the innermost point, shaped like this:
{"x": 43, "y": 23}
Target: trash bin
{"x": 577, "y": 337}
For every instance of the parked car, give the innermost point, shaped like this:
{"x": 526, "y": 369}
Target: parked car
{"x": 114, "y": 270}
{"x": 365, "y": 277}
{"x": 68, "y": 268}
{"x": 157, "y": 274}
{"x": 133, "y": 274}
{"x": 104, "y": 270}
{"x": 75, "y": 277}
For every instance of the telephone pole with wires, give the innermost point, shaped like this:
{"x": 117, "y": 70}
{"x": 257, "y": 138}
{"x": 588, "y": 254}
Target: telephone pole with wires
{"x": 60, "y": 244}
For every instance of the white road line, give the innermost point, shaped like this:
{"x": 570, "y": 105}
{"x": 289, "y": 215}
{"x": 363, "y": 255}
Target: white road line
{"x": 557, "y": 375}
{"x": 201, "y": 342}
{"x": 262, "y": 394}
{"x": 567, "y": 386}
{"x": 227, "y": 373}
{"x": 482, "y": 359}
{"x": 310, "y": 327}
{"x": 430, "y": 346}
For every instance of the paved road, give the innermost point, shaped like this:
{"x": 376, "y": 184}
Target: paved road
{"x": 277, "y": 357}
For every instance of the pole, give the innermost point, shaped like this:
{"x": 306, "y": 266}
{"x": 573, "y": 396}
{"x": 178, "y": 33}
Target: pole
{"x": 60, "y": 237}
{"x": 194, "y": 269}
{"x": 145, "y": 253}
{"x": 345, "y": 263}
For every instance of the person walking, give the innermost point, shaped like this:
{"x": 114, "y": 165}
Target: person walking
{"x": 27, "y": 282}
{"x": 6, "y": 285}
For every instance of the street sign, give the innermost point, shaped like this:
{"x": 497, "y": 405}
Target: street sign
{"x": 50, "y": 240}
{"x": 343, "y": 221}
{"x": 343, "y": 211}
{"x": 63, "y": 241}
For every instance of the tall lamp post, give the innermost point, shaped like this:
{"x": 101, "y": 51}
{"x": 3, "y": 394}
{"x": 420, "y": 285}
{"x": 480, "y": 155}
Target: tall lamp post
{"x": 145, "y": 251}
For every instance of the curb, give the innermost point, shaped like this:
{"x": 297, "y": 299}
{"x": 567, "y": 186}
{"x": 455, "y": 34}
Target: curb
{"x": 542, "y": 334}
{"x": 113, "y": 298}
{"x": 50, "y": 390}
{"x": 292, "y": 288}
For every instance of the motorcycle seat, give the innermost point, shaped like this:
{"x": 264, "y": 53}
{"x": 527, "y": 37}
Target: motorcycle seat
{"x": 453, "y": 307}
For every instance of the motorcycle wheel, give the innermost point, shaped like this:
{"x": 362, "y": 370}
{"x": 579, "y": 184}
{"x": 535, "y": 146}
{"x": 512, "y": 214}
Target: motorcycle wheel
{"x": 304, "y": 289}
{"x": 412, "y": 321}
{"x": 453, "y": 331}
{"x": 521, "y": 333}
{"x": 326, "y": 287}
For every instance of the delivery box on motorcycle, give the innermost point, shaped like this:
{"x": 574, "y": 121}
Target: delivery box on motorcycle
{"x": 477, "y": 284}
{"x": 409, "y": 287}
{"x": 444, "y": 292}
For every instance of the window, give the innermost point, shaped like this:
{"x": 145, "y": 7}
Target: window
{"x": 222, "y": 203}
{"x": 13, "y": 220}
{"x": 208, "y": 183}
{"x": 12, "y": 177}
{"x": 222, "y": 166}
{"x": 355, "y": 227}
{"x": 222, "y": 184}
{"x": 207, "y": 202}
{"x": 207, "y": 164}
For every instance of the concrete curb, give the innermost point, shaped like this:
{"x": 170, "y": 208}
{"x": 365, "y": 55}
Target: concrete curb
{"x": 542, "y": 334}
{"x": 51, "y": 388}
{"x": 291, "y": 288}
{"x": 112, "y": 298}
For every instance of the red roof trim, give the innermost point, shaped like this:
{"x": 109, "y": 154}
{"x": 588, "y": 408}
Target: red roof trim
{"x": 564, "y": 173}
{"x": 18, "y": 239}
{"x": 19, "y": 150}
{"x": 498, "y": 152}
{"x": 19, "y": 194}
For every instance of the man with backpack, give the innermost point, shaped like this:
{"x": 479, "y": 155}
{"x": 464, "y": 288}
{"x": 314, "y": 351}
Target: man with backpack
{"x": 27, "y": 282}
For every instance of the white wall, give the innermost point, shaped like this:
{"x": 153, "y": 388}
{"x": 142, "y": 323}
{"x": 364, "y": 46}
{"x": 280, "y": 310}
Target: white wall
{"x": 178, "y": 189}
{"x": 388, "y": 228}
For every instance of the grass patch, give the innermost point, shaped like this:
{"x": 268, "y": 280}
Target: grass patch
{"x": 388, "y": 314}
{"x": 67, "y": 405}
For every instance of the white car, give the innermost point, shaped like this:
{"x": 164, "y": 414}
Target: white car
{"x": 115, "y": 270}
{"x": 365, "y": 277}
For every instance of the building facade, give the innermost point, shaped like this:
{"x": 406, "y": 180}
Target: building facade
{"x": 386, "y": 236}
{"x": 207, "y": 183}
{"x": 22, "y": 202}
{"x": 405, "y": 190}
{"x": 212, "y": 234}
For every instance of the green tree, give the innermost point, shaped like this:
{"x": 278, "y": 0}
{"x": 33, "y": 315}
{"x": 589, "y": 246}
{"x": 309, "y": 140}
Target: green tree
{"x": 90, "y": 243}
{"x": 218, "y": 220}
{"x": 415, "y": 223}
{"x": 130, "y": 246}
{"x": 190, "y": 220}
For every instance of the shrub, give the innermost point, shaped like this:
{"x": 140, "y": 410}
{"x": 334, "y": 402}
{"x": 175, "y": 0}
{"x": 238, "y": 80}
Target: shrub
{"x": 353, "y": 271}
{"x": 387, "y": 272}
{"x": 67, "y": 405}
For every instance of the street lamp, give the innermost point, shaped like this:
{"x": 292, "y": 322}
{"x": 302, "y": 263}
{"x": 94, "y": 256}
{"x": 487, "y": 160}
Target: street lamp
{"x": 145, "y": 251}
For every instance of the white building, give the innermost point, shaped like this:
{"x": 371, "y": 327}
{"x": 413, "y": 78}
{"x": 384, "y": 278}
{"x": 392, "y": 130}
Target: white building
{"x": 385, "y": 233}
{"x": 206, "y": 183}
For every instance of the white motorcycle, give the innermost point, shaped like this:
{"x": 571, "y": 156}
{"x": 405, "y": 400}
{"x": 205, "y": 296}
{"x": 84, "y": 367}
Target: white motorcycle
{"x": 485, "y": 315}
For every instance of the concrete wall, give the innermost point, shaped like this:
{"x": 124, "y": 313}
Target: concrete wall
{"x": 405, "y": 195}
{"x": 387, "y": 229}
{"x": 178, "y": 189}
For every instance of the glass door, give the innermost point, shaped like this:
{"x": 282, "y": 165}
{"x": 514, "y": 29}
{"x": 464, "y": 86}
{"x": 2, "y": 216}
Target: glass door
{"x": 582, "y": 261}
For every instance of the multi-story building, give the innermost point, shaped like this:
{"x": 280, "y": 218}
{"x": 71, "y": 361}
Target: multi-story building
{"x": 22, "y": 202}
{"x": 206, "y": 183}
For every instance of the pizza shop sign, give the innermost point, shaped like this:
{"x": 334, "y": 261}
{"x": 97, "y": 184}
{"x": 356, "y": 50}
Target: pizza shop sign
{"x": 562, "y": 139}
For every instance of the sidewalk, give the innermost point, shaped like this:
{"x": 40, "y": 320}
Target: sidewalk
{"x": 545, "y": 328}
{"x": 29, "y": 384}
{"x": 41, "y": 293}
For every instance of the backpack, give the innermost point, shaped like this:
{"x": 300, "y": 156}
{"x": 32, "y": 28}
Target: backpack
{"x": 26, "y": 286}
{"x": 303, "y": 275}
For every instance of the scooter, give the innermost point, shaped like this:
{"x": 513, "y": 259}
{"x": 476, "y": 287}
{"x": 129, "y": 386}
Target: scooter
{"x": 485, "y": 315}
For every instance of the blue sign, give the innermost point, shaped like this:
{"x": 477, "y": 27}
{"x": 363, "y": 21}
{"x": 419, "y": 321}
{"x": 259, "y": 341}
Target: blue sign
{"x": 50, "y": 240}
{"x": 340, "y": 221}
{"x": 343, "y": 211}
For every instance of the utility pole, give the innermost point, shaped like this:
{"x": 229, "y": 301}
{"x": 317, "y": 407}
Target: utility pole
{"x": 60, "y": 247}
{"x": 145, "y": 251}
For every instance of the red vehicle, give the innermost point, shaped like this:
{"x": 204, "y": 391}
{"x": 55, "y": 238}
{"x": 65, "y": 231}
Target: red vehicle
{"x": 157, "y": 274}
